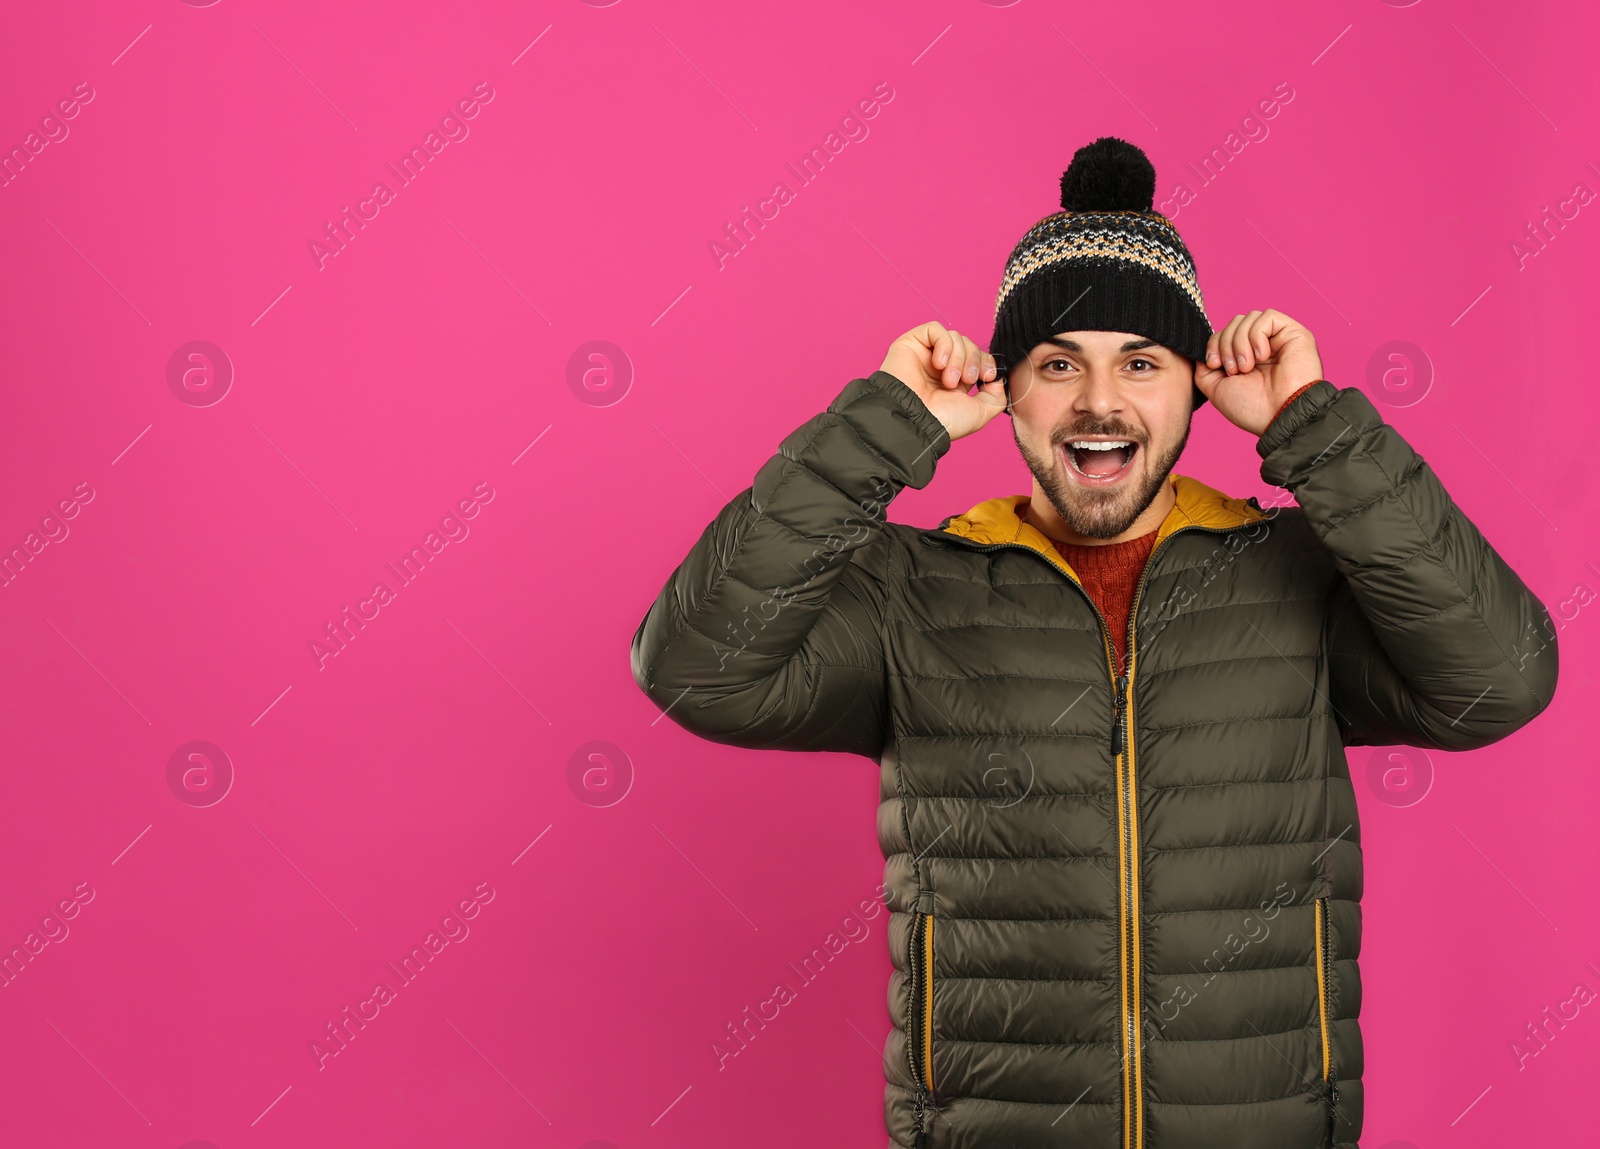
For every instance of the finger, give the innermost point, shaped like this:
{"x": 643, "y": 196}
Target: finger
{"x": 1258, "y": 335}
{"x": 992, "y": 398}
{"x": 972, "y": 361}
{"x": 958, "y": 350}
{"x": 991, "y": 369}
{"x": 929, "y": 335}
{"x": 950, "y": 368}
{"x": 1225, "y": 344}
{"x": 942, "y": 344}
{"x": 1243, "y": 357}
{"x": 1213, "y": 356}
{"x": 962, "y": 361}
{"x": 1261, "y": 332}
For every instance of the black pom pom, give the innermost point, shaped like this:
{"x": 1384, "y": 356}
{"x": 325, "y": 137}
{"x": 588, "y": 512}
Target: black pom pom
{"x": 1108, "y": 175}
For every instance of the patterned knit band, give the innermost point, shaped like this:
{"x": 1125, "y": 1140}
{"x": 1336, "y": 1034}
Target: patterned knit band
{"x": 1105, "y": 263}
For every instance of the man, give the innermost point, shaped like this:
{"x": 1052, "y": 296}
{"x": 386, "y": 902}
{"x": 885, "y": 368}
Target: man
{"x": 1123, "y": 861}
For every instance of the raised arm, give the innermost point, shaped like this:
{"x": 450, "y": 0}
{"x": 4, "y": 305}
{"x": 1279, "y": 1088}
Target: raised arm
{"x": 769, "y": 632}
{"x": 1433, "y": 640}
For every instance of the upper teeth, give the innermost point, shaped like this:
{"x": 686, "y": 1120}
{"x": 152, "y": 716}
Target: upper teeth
{"x": 1085, "y": 445}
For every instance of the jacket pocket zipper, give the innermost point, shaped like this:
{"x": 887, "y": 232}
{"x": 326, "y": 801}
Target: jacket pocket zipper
{"x": 1324, "y": 1035}
{"x": 919, "y": 1049}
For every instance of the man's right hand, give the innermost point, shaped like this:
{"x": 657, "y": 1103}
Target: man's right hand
{"x": 939, "y": 364}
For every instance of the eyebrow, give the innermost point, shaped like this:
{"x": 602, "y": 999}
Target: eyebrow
{"x": 1131, "y": 345}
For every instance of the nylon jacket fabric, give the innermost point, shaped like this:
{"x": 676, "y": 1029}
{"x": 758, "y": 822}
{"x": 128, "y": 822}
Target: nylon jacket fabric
{"x": 1120, "y": 918}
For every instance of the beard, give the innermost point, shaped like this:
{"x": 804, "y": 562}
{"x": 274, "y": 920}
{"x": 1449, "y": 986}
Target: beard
{"x": 1101, "y": 513}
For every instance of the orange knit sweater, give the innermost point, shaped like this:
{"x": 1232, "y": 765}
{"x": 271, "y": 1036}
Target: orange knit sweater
{"x": 1109, "y": 572}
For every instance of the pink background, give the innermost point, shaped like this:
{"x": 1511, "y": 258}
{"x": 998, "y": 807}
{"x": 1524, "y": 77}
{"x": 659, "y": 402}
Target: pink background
{"x": 430, "y": 757}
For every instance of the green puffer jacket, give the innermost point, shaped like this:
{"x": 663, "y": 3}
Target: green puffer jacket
{"x": 1125, "y": 914}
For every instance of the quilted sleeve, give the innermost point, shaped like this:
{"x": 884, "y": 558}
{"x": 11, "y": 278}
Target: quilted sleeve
{"x": 769, "y": 633}
{"x": 1432, "y": 639}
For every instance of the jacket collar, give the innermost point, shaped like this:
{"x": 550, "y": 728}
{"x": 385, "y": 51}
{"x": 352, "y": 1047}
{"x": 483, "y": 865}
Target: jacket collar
{"x": 1000, "y": 520}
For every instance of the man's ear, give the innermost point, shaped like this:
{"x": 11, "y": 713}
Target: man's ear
{"x": 1197, "y": 397}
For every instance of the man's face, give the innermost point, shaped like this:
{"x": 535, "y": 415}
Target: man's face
{"x": 1101, "y": 418}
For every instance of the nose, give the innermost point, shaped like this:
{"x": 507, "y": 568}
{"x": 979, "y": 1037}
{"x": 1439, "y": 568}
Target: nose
{"x": 1099, "y": 395}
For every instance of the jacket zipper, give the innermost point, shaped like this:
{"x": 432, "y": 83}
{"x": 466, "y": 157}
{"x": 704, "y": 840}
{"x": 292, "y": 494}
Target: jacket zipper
{"x": 1133, "y": 1136}
{"x": 1324, "y": 964}
{"x": 919, "y": 1023}
{"x": 1127, "y": 831}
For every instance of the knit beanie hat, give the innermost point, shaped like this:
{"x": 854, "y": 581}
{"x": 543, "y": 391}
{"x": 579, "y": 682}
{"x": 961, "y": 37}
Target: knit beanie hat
{"x": 1105, "y": 262}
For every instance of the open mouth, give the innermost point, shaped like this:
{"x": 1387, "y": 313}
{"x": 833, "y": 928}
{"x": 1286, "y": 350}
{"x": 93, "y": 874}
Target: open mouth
{"x": 1097, "y": 462}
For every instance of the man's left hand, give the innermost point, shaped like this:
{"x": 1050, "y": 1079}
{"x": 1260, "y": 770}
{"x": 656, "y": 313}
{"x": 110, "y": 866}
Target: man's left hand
{"x": 1254, "y": 364}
